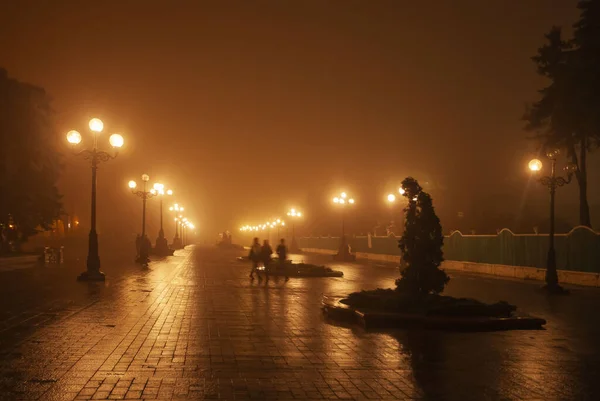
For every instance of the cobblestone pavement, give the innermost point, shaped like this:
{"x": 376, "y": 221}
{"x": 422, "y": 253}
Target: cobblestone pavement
{"x": 195, "y": 327}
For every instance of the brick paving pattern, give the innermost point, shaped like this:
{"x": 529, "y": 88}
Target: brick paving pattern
{"x": 195, "y": 327}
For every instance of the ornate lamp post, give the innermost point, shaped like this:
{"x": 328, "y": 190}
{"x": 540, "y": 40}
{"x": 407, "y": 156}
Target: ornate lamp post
{"x": 96, "y": 156}
{"x": 176, "y": 239}
{"x": 144, "y": 246}
{"x": 294, "y": 215}
{"x": 552, "y": 182}
{"x": 344, "y": 253}
{"x": 162, "y": 248}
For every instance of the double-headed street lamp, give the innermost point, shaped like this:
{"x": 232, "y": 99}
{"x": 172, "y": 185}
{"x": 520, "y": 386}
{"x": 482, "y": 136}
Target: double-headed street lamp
{"x": 144, "y": 248}
{"x": 96, "y": 156}
{"x": 552, "y": 182}
{"x": 294, "y": 214}
{"x": 162, "y": 247}
{"x": 344, "y": 251}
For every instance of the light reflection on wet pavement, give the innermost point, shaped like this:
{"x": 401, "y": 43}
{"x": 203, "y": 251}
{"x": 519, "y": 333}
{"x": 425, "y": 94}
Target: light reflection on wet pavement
{"x": 195, "y": 327}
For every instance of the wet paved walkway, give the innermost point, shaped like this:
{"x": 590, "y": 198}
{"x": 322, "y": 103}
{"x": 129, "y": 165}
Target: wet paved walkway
{"x": 195, "y": 327}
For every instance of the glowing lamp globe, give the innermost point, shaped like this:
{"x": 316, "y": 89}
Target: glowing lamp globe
{"x": 342, "y": 201}
{"x": 535, "y": 165}
{"x": 571, "y": 168}
{"x": 96, "y": 125}
{"x": 132, "y": 184}
{"x": 336, "y": 200}
{"x": 145, "y": 177}
{"x": 391, "y": 198}
{"x": 351, "y": 201}
{"x": 169, "y": 192}
{"x": 343, "y": 195}
{"x": 73, "y": 137}
{"x": 401, "y": 191}
{"x": 299, "y": 214}
{"x": 116, "y": 140}
{"x": 553, "y": 153}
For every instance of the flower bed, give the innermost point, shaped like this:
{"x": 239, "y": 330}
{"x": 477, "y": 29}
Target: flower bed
{"x": 388, "y": 300}
{"x": 387, "y": 308}
{"x": 302, "y": 270}
{"x": 290, "y": 269}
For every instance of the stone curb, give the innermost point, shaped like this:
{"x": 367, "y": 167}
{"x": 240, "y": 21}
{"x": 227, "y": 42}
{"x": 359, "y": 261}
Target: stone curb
{"x": 336, "y": 310}
{"x": 587, "y": 279}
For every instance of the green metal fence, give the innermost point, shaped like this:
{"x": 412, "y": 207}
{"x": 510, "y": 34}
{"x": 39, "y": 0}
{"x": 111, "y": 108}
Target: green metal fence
{"x": 579, "y": 250}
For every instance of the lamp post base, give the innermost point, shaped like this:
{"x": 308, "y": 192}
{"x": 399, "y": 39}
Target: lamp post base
{"x": 555, "y": 289}
{"x": 344, "y": 254}
{"x": 344, "y": 257}
{"x": 91, "y": 276}
{"x": 162, "y": 248}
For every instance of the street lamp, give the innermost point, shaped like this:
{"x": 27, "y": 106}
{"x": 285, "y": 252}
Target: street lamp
{"x": 162, "y": 247}
{"x": 96, "y": 156}
{"x": 344, "y": 253}
{"x": 182, "y": 224}
{"x": 176, "y": 239}
{"x": 145, "y": 195}
{"x": 552, "y": 182}
{"x": 294, "y": 215}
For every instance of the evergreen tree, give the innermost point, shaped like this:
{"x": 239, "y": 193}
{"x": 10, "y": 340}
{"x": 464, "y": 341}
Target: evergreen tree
{"x": 568, "y": 113}
{"x": 29, "y": 158}
{"x": 421, "y": 244}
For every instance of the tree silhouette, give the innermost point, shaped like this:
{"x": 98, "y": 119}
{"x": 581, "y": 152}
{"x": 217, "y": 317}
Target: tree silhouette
{"x": 567, "y": 115}
{"x": 29, "y": 158}
{"x": 421, "y": 244}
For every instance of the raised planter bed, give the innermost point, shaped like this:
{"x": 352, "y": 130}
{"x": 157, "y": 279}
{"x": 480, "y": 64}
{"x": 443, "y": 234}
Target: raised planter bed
{"x": 335, "y": 309}
{"x": 303, "y": 270}
{"x": 297, "y": 269}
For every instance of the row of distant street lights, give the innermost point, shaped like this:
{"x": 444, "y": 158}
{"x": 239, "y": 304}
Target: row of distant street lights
{"x": 277, "y": 223}
{"x": 181, "y": 223}
{"x": 96, "y": 156}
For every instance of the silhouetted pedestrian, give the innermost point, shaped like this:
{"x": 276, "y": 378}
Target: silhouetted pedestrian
{"x": 266, "y": 252}
{"x": 255, "y": 257}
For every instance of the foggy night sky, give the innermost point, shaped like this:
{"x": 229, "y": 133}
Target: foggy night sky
{"x": 251, "y": 107}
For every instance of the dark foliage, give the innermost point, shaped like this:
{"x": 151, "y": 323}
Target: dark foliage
{"x": 432, "y": 305}
{"x": 567, "y": 114}
{"x": 29, "y": 158}
{"x": 421, "y": 244}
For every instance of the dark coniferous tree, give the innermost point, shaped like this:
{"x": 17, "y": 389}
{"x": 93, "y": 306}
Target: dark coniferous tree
{"x": 421, "y": 244}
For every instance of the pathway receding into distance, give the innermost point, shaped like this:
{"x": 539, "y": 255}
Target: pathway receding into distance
{"x": 194, "y": 326}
